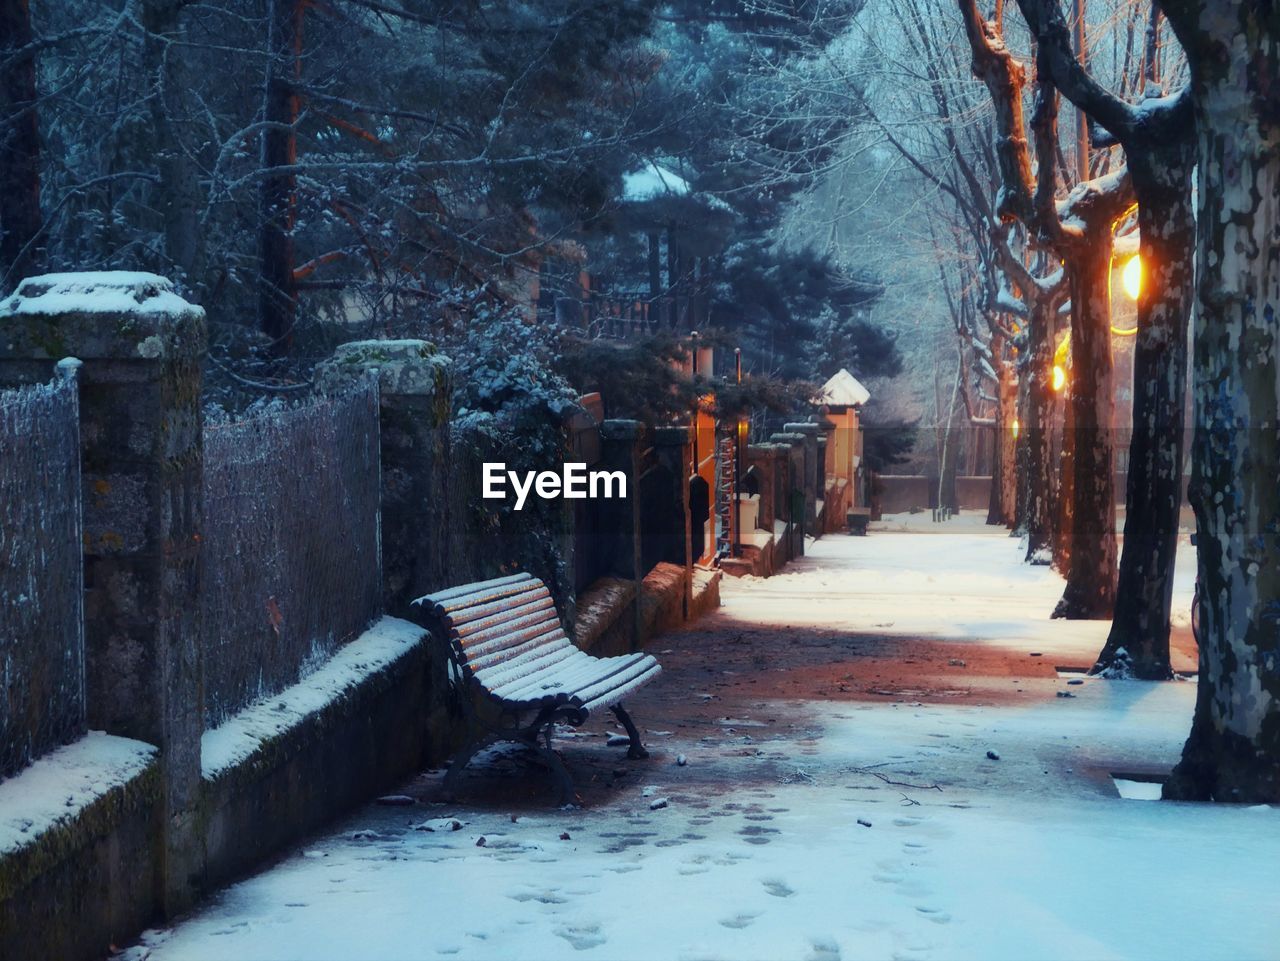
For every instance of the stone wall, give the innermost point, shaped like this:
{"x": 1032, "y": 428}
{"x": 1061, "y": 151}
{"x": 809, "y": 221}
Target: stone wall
{"x": 190, "y": 807}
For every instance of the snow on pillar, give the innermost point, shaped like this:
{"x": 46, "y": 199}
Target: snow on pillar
{"x": 142, "y": 457}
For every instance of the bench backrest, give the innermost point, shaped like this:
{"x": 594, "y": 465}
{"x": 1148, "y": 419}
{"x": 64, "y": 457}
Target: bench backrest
{"x": 490, "y": 621}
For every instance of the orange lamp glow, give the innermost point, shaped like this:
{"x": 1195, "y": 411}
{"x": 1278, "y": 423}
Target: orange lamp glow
{"x": 1059, "y": 377}
{"x": 1131, "y": 277}
{"x": 1014, "y": 427}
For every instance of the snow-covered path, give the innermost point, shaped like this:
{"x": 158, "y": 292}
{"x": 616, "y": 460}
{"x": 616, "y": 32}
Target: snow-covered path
{"x": 873, "y": 825}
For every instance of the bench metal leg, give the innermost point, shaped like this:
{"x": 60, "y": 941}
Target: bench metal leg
{"x": 553, "y": 762}
{"x": 461, "y": 760}
{"x": 635, "y": 750}
{"x": 535, "y": 735}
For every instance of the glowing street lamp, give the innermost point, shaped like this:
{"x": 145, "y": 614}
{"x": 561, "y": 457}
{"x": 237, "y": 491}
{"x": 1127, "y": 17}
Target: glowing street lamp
{"x": 1014, "y": 427}
{"x": 1059, "y": 380}
{"x": 1131, "y": 277}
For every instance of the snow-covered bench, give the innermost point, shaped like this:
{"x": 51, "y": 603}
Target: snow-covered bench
{"x": 505, "y": 639}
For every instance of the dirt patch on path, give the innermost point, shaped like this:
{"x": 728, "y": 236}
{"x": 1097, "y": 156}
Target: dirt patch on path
{"x": 739, "y": 704}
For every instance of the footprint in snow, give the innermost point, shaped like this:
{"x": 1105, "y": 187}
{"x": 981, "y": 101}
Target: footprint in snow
{"x": 824, "y": 949}
{"x": 742, "y": 920}
{"x": 936, "y": 915}
{"x": 778, "y": 888}
{"x": 582, "y": 937}
{"x": 544, "y": 897}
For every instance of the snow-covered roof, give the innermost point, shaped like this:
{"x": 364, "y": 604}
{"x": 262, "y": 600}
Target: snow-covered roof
{"x": 653, "y": 180}
{"x": 843, "y": 390}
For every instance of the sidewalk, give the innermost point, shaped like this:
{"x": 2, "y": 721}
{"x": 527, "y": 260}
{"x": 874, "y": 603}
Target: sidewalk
{"x": 838, "y": 799}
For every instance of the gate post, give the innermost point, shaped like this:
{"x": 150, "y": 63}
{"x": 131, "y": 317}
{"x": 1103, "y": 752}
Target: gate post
{"x": 142, "y": 460}
{"x": 674, "y": 451}
{"x": 619, "y": 450}
{"x": 414, "y": 401}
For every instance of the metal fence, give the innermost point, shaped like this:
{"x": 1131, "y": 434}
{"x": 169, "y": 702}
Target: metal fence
{"x": 42, "y": 700}
{"x": 292, "y": 565}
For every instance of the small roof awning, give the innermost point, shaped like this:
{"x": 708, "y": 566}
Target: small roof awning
{"x": 653, "y": 180}
{"x": 843, "y": 390}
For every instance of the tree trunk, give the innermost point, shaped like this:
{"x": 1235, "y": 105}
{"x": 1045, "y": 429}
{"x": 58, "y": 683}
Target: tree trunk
{"x": 994, "y": 514}
{"x": 1037, "y": 518}
{"x": 20, "y": 219}
{"x": 1091, "y": 577}
{"x": 1138, "y": 645}
{"x": 655, "y": 269}
{"x": 178, "y": 201}
{"x": 1233, "y": 752}
{"x": 1007, "y": 477}
{"x": 1064, "y": 530}
{"x": 277, "y": 292}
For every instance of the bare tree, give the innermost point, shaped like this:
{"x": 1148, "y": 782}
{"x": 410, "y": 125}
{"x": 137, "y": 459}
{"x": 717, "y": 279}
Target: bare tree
{"x": 277, "y": 295}
{"x": 1233, "y": 50}
{"x": 1078, "y": 231}
{"x": 1157, "y": 137}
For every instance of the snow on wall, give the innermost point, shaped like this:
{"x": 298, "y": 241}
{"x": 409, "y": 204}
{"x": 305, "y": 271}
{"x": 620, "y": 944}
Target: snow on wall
{"x": 291, "y": 544}
{"x": 42, "y": 700}
{"x": 383, "y": 644}
{"x": 60, "y": 785}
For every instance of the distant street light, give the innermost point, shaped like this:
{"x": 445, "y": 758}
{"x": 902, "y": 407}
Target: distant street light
{"x": 1014, "y": 427}
{"x": 1131, "y": 277}
{"x": 1059, "y": 377}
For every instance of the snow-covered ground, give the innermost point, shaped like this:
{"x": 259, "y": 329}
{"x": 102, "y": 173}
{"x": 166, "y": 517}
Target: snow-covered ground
{"x": 869, "y": 827}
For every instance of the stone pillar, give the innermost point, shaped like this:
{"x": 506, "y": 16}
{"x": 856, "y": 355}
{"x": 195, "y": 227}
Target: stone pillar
{"x": 673, "y": 448}
{"x": 142, "y": 459}
{"x": 812, "y": 473}
{"x": 620, "y": 451}
{"x": 798, "y": 502}
{"x": 414, "y": 390}
{"x": 763, "y": 457}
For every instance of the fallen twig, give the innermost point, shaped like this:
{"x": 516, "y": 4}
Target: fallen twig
{"x": 889, "y": 780}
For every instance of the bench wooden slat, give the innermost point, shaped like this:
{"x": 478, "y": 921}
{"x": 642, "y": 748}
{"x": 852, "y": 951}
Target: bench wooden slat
{"x": 581, "y": 674}
{"x": 481, "y": 641}
{"x": 521, "y": 689}
{"x": 530, "y": 665}
{"x": 618, "y": 695}
{"x": 541, "y": 683}
{"x": 516, "y": 618}
{"x": 620, "y": 674}
{"x": 464, "y": 590}
{"x": 488, "y": 594}
{"x": 485, "y": 607}
{"x": 542, "y": 695}
{"x": 501, "y": 649}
